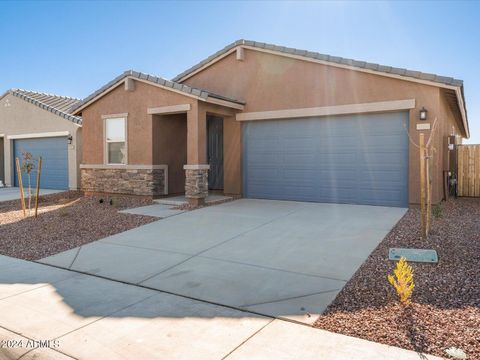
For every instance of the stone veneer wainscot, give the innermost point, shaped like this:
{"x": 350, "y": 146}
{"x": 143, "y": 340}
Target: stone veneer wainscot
{"x": 129, "y": 180}
{"x": 196, "y": 183}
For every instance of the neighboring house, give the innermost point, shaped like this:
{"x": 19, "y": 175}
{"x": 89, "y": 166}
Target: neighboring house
{"x": 43, "y": 125}
{"x": 264, "y": 121}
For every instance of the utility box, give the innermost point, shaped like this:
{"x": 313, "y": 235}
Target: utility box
{"x": 452, "y": 153}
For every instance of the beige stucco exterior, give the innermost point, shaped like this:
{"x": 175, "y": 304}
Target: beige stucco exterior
{"x": 273, "y": 82}
{"x": 151, "y": 139}
{"x": 171, "y": 140}
{"x": 19, "y": 117}
{"x": 267, "y": 83}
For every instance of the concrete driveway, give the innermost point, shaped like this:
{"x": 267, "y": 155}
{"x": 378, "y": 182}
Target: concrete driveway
{"x": 78, "y": 316}
{"x": 13, "y": 193}
{"x": 276, "y": 258}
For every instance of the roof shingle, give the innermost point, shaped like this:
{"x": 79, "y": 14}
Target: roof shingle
{"x": 333, "y": 59}
{"x": 201, "y": 93}
{"x": 58, "y": 105}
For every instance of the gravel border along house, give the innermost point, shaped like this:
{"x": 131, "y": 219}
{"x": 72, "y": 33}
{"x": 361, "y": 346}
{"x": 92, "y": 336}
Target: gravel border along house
{"x": 66, "y": 220}
{"x": 445, "y": 310}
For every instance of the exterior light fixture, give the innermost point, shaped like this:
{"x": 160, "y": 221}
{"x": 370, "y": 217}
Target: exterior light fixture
{"x": 423, "y": 114}
{"x": 70, "y": 139}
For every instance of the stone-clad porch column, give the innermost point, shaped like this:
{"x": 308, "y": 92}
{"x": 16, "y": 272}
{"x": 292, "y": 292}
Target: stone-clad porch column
{"x": 196, "y": 169}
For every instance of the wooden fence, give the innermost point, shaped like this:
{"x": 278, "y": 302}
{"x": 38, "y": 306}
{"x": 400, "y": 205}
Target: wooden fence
{"x": 468, "y": 160}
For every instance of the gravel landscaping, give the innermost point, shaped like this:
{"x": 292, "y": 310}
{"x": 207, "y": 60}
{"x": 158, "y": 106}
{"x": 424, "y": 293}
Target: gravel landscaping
{"x": 445, "y": 309}
{"x": 65, "y": 220}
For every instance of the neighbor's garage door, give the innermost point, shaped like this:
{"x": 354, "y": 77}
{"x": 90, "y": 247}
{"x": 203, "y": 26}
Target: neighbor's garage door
{"x": 356, "y": 159}
{"x": 54, "y": 153}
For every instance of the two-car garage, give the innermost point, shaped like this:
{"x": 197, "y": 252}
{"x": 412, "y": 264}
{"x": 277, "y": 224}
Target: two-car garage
{"x": 356, "y": 159}
{"x": 322, "y": 128}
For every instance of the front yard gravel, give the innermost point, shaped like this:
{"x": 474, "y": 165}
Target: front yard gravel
{"x": 445, "y": 310}
{"x": 65, "y": 220}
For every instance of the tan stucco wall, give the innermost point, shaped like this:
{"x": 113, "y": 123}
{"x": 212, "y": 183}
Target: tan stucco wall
{"x": 232, "y": 155}
{"x": 197, "y": 129}
{"x": 272, "y": 82}
{"x": 169, "y": 139}
{"x": 139, "y": 123}
{"x": 22, "y": 117}
{"x": 159, "y": 140}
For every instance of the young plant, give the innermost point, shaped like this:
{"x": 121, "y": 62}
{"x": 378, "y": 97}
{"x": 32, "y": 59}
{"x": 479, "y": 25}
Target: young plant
{"x": 28, "y": 165}
{"x": 402, "y": 281}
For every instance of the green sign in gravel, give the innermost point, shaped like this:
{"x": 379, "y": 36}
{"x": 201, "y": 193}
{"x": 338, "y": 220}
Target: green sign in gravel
{"x": 415, "y": 255}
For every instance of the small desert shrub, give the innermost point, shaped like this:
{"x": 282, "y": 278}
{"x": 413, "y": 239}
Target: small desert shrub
{"x": 437, "y": 210}
{"x": 402, "y": 281}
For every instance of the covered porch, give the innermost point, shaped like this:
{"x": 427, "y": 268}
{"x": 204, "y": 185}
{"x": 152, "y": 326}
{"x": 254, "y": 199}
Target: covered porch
{"x": 199, "y": 144}
{"x": 148, "y": 136}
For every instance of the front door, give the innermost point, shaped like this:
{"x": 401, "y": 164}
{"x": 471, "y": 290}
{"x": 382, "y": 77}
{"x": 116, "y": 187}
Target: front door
{"x": 215, "y": 153}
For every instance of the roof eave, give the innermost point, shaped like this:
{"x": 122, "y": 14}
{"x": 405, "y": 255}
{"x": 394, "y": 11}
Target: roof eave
{"x": 315, "y": 57}
{"x": 202, "y": 96}
{"x": 78, "y": 110}
{"x": 5, "y": 94}
{"x": 76, "y": 120}
{"x": 463, "y": 110}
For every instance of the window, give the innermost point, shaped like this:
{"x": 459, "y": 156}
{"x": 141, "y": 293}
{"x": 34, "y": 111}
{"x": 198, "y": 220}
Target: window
{"x": 115, "y": 141}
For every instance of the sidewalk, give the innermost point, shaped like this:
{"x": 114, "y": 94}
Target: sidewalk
{"x": 13, "y": 193}
{"x": 86, "y": 317}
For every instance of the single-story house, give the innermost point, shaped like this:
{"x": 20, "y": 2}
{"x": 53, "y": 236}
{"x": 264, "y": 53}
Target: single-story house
{"x": 42, "y": 125}
{"x": 265, "y": 121}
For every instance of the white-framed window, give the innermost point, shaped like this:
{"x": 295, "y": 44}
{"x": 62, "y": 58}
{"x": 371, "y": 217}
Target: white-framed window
{"x": 115, "y": 141}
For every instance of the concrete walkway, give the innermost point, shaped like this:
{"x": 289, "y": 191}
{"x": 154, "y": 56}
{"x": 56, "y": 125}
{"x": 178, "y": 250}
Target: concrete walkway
{"x": 85, "y": 317}
{"x": 13, "y": 193}
{"x": 182, "y": 200}
{"x": 156, "y": 210}
{"x": 277, "y": 258}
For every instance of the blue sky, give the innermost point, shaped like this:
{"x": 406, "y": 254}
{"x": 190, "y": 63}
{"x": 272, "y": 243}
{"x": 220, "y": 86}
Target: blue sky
{"x": 73, "y": 48}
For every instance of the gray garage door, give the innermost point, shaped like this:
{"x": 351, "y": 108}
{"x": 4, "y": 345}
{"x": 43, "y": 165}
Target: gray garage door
{"x": 355, "y": 159}
{"x": 54, "y": 153}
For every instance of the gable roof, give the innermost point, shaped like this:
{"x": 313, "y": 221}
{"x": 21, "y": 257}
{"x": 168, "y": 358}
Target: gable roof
{"x": 323, "y": 57}
{"x": 452, "y": 84}
{"x": 200, "y": 94}
{"x": 56, "y": 104}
